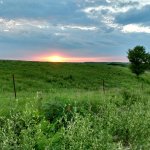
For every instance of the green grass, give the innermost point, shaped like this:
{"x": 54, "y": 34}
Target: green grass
{"x": 62, "y": 106}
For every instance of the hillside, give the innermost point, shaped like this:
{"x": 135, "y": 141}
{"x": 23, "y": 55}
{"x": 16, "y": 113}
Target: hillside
{"x": 63, "y": 106}
{"x": 36, "y": 76}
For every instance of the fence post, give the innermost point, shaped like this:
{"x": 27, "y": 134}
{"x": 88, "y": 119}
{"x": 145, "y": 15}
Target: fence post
{"x": 14, "y": 85}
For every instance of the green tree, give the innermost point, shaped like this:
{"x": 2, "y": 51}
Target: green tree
{"x": 139, "y": 60}
{"x": 147, "y": 61}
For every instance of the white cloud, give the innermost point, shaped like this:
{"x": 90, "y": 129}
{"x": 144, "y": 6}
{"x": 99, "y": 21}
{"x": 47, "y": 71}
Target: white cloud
{"x": 141, "y": 2}
{"x": 28, "y": 26}
{"x": 21, "y": 24}
{"x": 109, "y": 21}
{"x": 105, "y": 14}
{"x": 135, "y": 28}
{"x": 77, "y": 27}
{"x": 112, "y": 9}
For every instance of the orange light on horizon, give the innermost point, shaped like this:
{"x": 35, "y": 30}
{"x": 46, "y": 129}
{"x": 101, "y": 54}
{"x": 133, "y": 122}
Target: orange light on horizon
{"x": 55, "y": 59}
{"x": 63, "y": 58}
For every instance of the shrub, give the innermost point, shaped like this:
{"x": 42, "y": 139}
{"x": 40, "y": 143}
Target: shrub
{"x": 53, "y": 110}
{"x": 87, "y": 133}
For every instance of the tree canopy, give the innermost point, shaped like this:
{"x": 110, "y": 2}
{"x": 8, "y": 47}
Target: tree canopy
{"x": 139, "y": 59}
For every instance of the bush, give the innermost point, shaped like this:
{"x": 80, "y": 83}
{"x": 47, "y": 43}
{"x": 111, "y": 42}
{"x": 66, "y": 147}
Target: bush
{"x": 87, "y": 133}
{"x": 53, "y": 110}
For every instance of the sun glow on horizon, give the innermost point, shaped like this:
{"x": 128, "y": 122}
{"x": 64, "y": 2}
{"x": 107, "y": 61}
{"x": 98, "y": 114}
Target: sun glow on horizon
{"x": 55, "y": 59}
{"x": 63, "y": 58}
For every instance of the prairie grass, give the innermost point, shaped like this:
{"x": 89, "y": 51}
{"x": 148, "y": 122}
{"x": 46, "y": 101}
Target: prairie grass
{"x": 62, "y": 106}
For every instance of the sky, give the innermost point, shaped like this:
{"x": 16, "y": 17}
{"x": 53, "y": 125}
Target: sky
{"x": 75, "y": 30}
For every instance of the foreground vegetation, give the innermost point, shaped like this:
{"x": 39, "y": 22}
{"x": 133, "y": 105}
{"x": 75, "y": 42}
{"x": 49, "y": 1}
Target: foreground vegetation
{"x": 62, "y": 106}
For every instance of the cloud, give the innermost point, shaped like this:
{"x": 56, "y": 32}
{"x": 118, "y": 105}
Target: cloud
{"x": 15, "y": 25}
{"x": 77, "y": 27}
{"x": 104, "y": 9}
{"x": 80, "y": 28}
{"x": 54, "y": 11}
{"x": 134, "y": 28}
{"x": 135, "y": 16}
{"x": 115, "y": 14}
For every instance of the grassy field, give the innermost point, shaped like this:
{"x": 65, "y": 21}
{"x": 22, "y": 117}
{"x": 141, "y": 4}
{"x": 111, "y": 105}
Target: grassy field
{"x": 62, "y": 106}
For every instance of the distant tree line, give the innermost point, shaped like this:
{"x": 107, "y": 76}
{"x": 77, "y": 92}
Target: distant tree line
{"x": 139, "y": 60}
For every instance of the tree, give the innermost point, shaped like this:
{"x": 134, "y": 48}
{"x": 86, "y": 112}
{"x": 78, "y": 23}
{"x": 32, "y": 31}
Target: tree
{"x": 139, "y": 59}
{"x": 147, "y": 61}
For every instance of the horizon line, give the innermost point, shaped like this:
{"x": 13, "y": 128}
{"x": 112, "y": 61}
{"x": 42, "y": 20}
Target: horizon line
{"x": 64, "y": 61}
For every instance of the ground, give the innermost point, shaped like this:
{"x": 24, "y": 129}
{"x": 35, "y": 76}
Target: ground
{"x": 64, "y": 106}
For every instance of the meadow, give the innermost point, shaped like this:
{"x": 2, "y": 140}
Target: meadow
{"x": 64, "y": 106}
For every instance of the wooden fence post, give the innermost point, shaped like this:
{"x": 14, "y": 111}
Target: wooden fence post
{"x": 14, "y": 85}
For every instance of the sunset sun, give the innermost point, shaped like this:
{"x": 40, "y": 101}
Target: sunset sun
{"x": 55, "y": 59}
